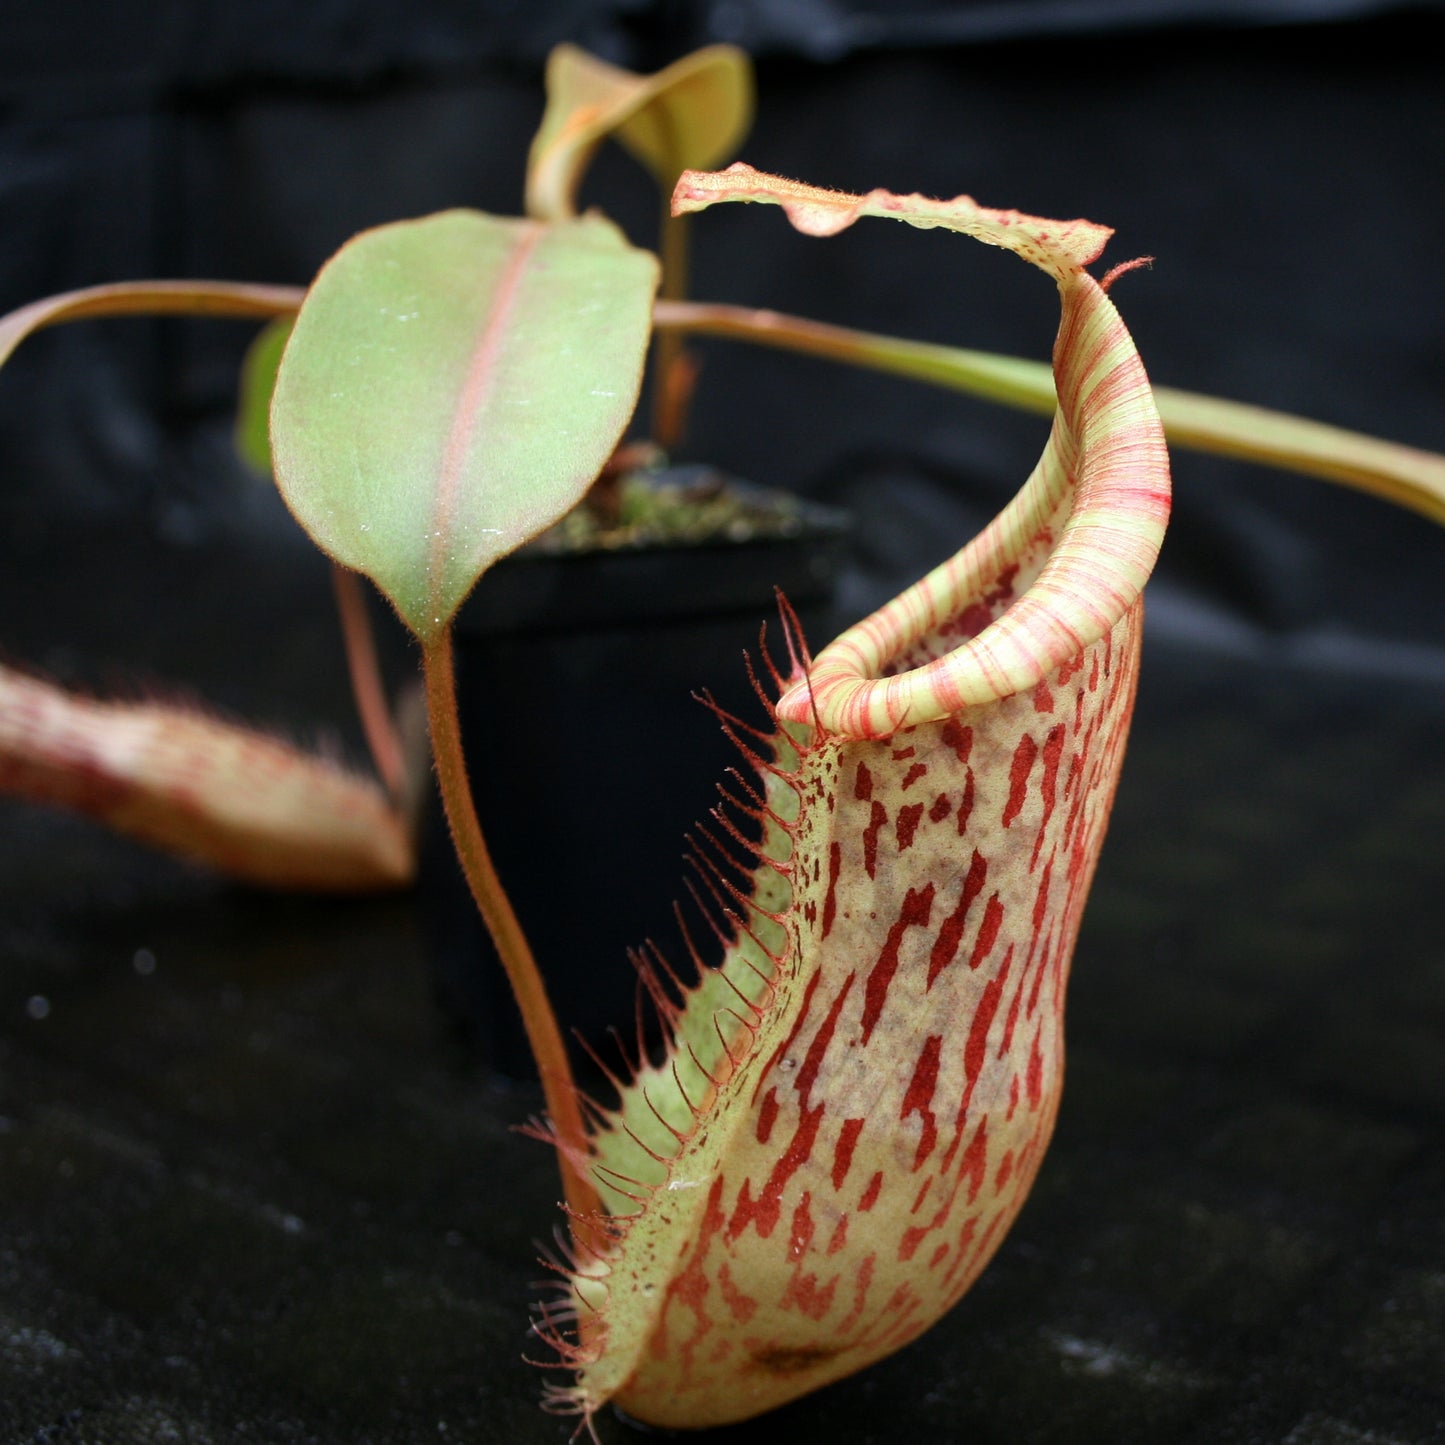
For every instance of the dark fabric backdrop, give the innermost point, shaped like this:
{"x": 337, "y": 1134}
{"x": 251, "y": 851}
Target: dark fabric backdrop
{"x": 247, "y": 1190}
{"x": 1286, "y": 177}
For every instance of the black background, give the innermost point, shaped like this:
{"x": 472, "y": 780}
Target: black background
{"x": 1285, "y": 177}
{"x": 257, "y": 1195}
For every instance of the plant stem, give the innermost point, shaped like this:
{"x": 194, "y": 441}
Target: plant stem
{"x": 1405, "y": 475}
{"x": 669, "y": 403}
{"x": 543, "y": 1035}
{"x": 366, "y": 685}
{"x": 1015, "y": 381}
{"x": 149, "y": 298}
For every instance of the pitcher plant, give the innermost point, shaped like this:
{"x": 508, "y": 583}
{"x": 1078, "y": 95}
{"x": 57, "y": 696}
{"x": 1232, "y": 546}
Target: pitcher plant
{"x": 861, "y": 1079}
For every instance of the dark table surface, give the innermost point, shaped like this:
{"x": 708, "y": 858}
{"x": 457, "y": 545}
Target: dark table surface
{"x": 250, "y": 1190}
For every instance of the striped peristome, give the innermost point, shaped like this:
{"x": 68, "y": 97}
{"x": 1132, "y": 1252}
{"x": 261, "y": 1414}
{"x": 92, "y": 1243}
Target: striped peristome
{"x": 858, "y": 1097}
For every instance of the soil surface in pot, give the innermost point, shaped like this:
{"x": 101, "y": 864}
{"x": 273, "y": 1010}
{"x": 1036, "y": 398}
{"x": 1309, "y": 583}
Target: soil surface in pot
{"x": 686, "y": 506}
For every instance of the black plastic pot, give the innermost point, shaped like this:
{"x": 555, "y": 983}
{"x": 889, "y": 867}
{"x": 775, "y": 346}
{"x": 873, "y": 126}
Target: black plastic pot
{"x": 591, "y": 757}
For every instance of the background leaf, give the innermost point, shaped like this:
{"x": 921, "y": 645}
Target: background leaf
{"x": 452, "y": 387}
{"x": 692, "y": 115}
{"x": 258, "y": 385}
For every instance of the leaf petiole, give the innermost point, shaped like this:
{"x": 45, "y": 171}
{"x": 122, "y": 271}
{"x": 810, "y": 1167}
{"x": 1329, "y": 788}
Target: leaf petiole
{"x": 1405, "y": 475}
{"x": 543, "y": 1035}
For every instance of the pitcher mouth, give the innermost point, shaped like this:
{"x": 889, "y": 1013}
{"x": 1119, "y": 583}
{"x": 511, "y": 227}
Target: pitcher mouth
{"x": 1055, "y": 570}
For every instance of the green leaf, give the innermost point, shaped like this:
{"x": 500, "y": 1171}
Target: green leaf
{"x": 694, "y": 114}
{"x": 452, "y": 387}
{"x": 258, "y": 384}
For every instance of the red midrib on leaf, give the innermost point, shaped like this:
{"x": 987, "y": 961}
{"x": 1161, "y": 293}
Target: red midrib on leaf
{"x": 480, "y": 378}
